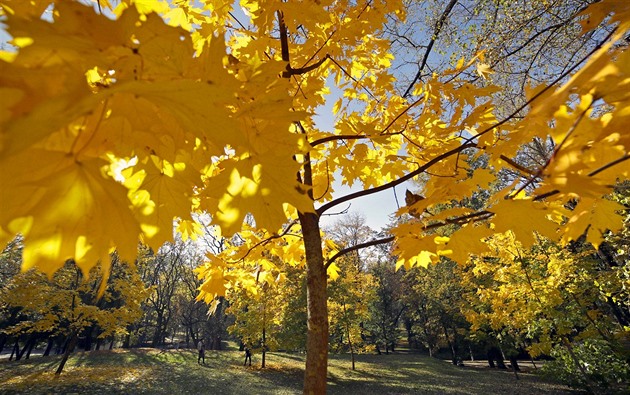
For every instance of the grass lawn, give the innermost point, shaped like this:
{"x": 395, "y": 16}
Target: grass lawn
{"x": 173, "y": 372}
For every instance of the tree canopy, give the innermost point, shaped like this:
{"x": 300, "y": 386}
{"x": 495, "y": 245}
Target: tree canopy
{"x": 119, "y": 117}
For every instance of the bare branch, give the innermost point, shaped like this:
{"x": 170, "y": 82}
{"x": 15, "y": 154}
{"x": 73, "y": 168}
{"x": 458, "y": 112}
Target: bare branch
{"x": 436, "y": 32}
{"x": 344, "y": 211}
{"x": 358, "y": 247}
{"x": 543, "y": 91}
{"x": 291, "y": 71}
{"x": 517, "y": 166}
{"x": 396, "y": 182}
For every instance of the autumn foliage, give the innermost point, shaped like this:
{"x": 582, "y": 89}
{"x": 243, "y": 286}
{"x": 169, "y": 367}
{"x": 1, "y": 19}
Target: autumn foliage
{"x": 118, "y": 118}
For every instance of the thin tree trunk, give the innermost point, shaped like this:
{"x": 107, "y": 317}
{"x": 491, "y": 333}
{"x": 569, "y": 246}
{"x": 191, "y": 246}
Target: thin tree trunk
{"x": 450, "y": 345}
{"x": 587, "y": 381}
{"x": 20, "y": 353}
{"x": 345, "y": 313}
{"x": 66, "y": 354}
{"x": 49, "y": 346}
{"x": 16, "y": 348}
{"x": 315, "y": 373}
{"x": 157, "y": 335}
{"x": 88, "y": 339}
{"x": 264, "y": 347}
{"x": 30, "y": 348}
{"x": 533, "y": 363}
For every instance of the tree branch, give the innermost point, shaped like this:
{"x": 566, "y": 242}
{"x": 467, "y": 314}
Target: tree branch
{"x": 536, "y": 96}
{"x": 396, "y": 182}
{"x": 268, "y": 240}
{"x": 339, "y": 137}
{"x": 461, "y": 220}
{"x": 358, "y": 247}
{"x": 302, "y": 70}
{"x": 517, "y": 166}
{"x": 284, "y": 36}
{"x": 359, "y": 136}
{"x": 436, "y": 31}
{"x": 608, "y": 165}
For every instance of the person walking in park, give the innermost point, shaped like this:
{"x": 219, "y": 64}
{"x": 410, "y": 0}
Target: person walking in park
{"x": 248, "y": 356}
{"x": 201, "y": 347}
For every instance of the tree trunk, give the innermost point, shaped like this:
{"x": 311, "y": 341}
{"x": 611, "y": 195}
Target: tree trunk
{"x": 49, "y": 346}
{"x": 31, "y": 345}
{"x": 16, "y": 349}
{"x": 345, "y": 313}
{"x": 66, "y": 354}
{"x": 88, "y": 339}
{"x": 157, "y": 335}
{"x": 264, "y": 347}
{"x": 20, "y": 353}
{"x": 127, "y": 341}
{"x": 450, "y": 345}
{"x": 315, "y": 373}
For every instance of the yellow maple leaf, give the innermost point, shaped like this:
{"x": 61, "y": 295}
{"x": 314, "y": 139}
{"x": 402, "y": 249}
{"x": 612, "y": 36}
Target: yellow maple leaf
{"x": 71, "y": 210}
{"x": 258, "y": 185}
{"x": 333, "y": 271}
{"x": 484, "y": 70}
{"x": 169, "y": 188}
{"x": 594, "y": 217}
{"x": 468, "y": 241}
{"x": 523, "y": 217}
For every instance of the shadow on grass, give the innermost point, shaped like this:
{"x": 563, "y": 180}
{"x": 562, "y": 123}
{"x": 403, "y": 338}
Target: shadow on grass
{"x": 176, "y": 371}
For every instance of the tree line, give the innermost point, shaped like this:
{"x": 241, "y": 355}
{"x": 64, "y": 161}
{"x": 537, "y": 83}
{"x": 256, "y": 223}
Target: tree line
{"x": 568, "y": 306}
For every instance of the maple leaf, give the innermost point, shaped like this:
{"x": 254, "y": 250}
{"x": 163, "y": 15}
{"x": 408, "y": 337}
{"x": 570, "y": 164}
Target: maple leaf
{"x": 484, "y": 70}
{"x": 468, "y": 241}
{"x": 214, "y": 280}
{"x": 412, "y": 246}
{"x": 594, "y": 218}
{"x": 523, "y": 217}
{"x": 333, "y": 272}
{"x": 70, "y": 210}
{"x": 168, "y": 188}
{"x": 258, "y": 185}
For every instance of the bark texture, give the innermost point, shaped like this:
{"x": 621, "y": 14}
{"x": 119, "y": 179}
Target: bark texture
{"x": 317, "y": 335}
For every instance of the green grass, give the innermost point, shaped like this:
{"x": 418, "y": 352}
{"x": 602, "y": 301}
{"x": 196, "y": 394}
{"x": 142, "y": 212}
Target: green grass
{"x": 152, "y": 371}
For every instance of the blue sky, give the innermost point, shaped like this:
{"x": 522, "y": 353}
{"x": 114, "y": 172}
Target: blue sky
{"x": 376, "y": 208}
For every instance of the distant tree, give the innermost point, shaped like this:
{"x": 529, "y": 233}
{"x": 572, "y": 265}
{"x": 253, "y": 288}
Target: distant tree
{"x": 352, "y": 289}
{"x": 387, "y": 307}
{"x": 257, "y": 316}
{"x": 293, "y": 331}
{"x": 71, "y": 305}
{"x": 434, "y": 297}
